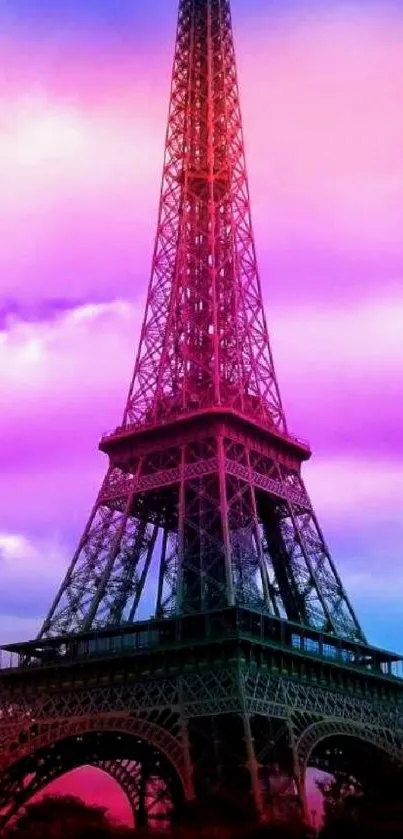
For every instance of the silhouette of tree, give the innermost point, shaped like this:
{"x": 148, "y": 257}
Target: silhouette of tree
{"x": 64, "y": 817}
{"x": 227, "y": 816}
{"x": 341, "y": 794}
{"x": 372, "y": 807}
{"x": 220, "y": 814}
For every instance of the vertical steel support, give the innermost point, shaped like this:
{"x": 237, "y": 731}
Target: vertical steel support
{"x": 161, "y": 574}
{"x": 187, "y": 758}
{"x": 100, "y": 591}
{"x": 251, "y": 760}
{"x": 271, "y": 604}
{"x": 212, "y": 204}
{"x": 298, "y": 774}
{"x": 67, "y": 580}
{"x": 224, "y": 520}
{"x": 143, "y": 576}
{"x": 253, "y": 765}
{"x": 181, "y": 534}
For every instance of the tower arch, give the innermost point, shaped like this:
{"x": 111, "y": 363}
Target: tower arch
{"x": 143, "y": 758}
{"x": 382, "y": 739}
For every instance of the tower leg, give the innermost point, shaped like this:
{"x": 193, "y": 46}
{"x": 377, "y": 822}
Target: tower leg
{"x": 253, "y": 766}
{"x": 141, "y": 814}
{"x": 190, "y": 790}
{"x": 298, "y": 774}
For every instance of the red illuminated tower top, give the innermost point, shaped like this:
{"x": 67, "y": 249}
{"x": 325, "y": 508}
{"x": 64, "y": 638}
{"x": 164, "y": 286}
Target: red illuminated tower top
{"x": 204, "y": 341}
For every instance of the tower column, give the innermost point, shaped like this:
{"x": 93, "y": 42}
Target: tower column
{"x": 181, "y": 534}
{"x": 253, "y": 765}
{"x": 224, "y": 520}
{"x": 190, "y": 791}
{"x": 298, "y": 775}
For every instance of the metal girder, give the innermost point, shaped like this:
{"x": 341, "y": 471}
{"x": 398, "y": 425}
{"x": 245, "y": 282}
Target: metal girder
{"x": 212, "y": 691}
{"x": 149, "y": 782}
{"x": 224, "y": 523}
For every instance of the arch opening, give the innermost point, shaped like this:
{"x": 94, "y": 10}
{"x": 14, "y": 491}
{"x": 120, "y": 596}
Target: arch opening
{"x": 95, "y": 787}
{"x": 343, "y": 772}
{"x": 145, "y": 775}
{"x": 350, "y": 755}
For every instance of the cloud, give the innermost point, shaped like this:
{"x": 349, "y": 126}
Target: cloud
{"x": 31, "y": 571}
{"x": 74, "y": 186}
{"x": 339, "y": 369}
{"x": 323, "y": 144}
{"x": 64, "y": 379}
{"x": 24, "y": 561}
{"x": 367, "y": 333}
{"x": 73, "y": 22}
{"x": 82, "y": 141}
{"x": 357, "y": 490}
{"x": 67, "y": 369}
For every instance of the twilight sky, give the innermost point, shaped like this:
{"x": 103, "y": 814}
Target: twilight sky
{"x": 83, "y": 105}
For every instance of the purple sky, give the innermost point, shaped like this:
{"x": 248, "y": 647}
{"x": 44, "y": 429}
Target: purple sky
{"x": 83, "y": 107}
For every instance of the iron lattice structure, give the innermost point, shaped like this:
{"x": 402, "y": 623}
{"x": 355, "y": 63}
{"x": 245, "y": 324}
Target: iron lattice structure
{"x": 203, "y": 471}
{"x": 253, "y": 656}
{"x": 176, "y": 709}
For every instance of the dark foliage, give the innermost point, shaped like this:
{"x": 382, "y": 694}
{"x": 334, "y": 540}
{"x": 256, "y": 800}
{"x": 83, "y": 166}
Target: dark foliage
{"x": 64, "y": 817}
{"x": 352, "y": 811}
{"x": 372, "y": 808}
{"x": 228, "y": 814}
{"x": 223, "y": 817}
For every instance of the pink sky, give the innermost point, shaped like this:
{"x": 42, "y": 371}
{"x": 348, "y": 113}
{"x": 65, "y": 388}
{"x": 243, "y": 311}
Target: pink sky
{"x": 81, "y": 143}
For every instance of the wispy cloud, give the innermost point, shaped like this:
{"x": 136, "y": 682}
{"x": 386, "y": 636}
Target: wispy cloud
{"x": 339, "y": 370}
{"x": 31, "y": 571}
{"x": 81, "y": 154}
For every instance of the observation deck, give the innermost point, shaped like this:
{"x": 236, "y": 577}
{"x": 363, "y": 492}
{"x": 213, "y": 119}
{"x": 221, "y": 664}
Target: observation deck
{"x": 175, "y": 424}
{"x": 288, "y": 645}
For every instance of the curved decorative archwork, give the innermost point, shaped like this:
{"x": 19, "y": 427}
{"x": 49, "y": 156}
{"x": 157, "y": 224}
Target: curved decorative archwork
{"x": 43, "y": 734}
{"x": 151, "y": 787}
{"x": 126, "y": 773}
{"x": 160, "y": 800}
{"x": 37, "y": 783}
{"x": 384, "y": 740}
{"x": 124, "y": 776}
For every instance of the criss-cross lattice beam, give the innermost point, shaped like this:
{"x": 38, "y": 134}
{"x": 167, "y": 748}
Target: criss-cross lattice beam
{"x": 219, "y": 518}
{"x": 222, "y": 522}
{"x": 204, "y": 339}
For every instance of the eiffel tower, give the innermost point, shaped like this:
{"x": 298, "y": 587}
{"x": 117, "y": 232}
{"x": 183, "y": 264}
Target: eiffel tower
{"x": 253, "y": 663}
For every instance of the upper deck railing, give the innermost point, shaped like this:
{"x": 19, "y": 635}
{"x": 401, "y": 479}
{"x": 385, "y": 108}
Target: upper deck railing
{"x": 190, "y": 413}
{"x": 190, "y": 631}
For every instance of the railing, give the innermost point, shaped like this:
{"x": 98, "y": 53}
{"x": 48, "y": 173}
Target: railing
{"x": 145, "y": 425}
{"x": 344, "y": 656}
{"x": 235, "y": 623}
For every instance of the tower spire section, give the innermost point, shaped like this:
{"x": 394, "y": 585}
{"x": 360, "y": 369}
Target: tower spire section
{"x": 204, "y": 340}
{"x": 203, "y": 505}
